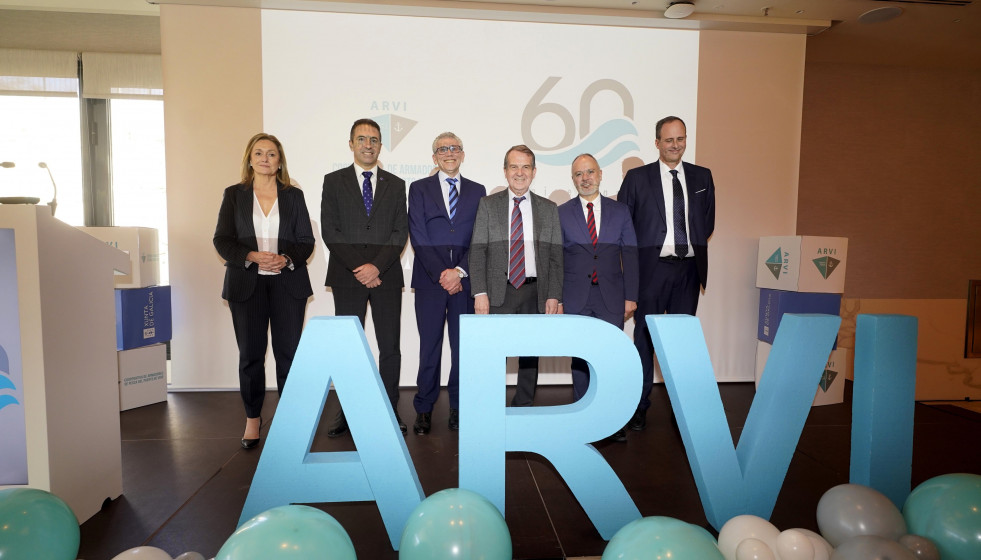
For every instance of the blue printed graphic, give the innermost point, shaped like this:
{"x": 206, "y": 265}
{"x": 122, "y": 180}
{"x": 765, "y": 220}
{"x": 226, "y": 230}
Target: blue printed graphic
{"x": 13, "y": 424}
{"x": 610, "y": 135}
{"x": 6, "y": 382}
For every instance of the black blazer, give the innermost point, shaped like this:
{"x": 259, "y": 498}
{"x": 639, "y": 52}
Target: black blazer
{"x": 641, "y": 192}
{"x": 235, "y": 238}
{"x": 354, "y": 238}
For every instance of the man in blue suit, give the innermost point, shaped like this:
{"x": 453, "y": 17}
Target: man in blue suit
{"x": 442, "y": 208}
{"x": 672, "y": 205}
{"x": 601, "y": 270}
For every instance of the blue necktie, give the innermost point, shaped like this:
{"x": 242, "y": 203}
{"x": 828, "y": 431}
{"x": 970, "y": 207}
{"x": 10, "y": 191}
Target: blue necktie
{"x": 680, "y": 231}
{"x": 454, "y": 197}
{"x": 366, "y": 192}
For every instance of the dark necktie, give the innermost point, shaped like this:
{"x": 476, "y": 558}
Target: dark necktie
{"x": 680, "y": 231}
{"x": 516, "y": 262}
{"x": 366, "y": 191}
{"x": 591, "y": 225}
{"x": 454, "y": 197}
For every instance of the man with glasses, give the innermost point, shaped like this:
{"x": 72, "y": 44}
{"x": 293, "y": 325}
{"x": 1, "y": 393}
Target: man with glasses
{"x": 516, "y": 256}
{"x": 442, "y": 208}
{"x": 600, "y": 260}
{"x": 364, "y": 226}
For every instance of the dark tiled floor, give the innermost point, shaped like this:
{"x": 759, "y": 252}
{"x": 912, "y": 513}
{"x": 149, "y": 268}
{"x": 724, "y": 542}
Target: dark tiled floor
{"x": 185, "y": 478}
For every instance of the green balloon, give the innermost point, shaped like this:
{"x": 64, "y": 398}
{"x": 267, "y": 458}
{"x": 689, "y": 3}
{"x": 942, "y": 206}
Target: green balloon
{"x": 947, "y": 510}
{"x": 286, "y": 533}
{"x": 457, "y": 524}
{"x": 650, "y": 538}
{"x": 36, "y": 524}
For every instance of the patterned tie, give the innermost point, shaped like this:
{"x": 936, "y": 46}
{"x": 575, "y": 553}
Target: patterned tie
{"x": 366, "y": 191}
{"x": 591, "y": 225}
{"x": 680, "y": 231}
{"x": 454, "y": 197}
{"x": 516, "y": 263}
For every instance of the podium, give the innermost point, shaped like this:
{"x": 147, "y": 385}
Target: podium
{"x": 59, "y": 389}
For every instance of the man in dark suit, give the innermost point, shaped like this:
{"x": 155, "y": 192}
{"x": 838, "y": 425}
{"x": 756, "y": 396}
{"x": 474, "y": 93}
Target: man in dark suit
{"x": 365, "y": 228}
{"x": 600, "y": 250}
{"x": 673, "y": 209}
{"x": 516, "y": 256}
{"x": 442, "y": 209}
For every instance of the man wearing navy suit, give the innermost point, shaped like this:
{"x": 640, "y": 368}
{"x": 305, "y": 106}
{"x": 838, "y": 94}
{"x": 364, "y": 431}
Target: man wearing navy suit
{"x": 364, "y": 226}
{"x": 442, "y": 209}
{"x": 600, "y": 250}
{"x": 672, "y": 205}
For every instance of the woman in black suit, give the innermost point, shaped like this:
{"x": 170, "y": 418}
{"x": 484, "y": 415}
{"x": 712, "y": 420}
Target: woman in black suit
{"x": 265, "y": 237}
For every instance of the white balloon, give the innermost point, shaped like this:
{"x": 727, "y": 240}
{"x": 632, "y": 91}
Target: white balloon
{"x": 822, "y": 548}
{"x": 745, "y": 527}
{"x": 794, "y": 545}
{"x": 143, "y": 553}
{"x": 190, "y": 556}
{"x": 753, "y": 549}
{"x": 871, "y": 547}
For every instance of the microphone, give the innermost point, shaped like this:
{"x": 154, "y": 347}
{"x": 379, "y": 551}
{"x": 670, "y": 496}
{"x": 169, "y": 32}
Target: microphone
{"x": 54, "y": 199}
{"x": 8, "y": 164}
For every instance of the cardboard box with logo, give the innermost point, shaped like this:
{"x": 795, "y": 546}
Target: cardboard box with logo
{"x": 831, "y": 388}
{"x": 142, "y": 246}
{"x": 802, "y": 263}
{"x": 774, "y": 303}
{"x": 142, "y": 317}
{"x": 142, "y": 376}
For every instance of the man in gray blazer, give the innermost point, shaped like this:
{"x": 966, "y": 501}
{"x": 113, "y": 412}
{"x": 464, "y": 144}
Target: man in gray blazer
{"x": 365, "y": 227}
{"x": 516, "y": 256}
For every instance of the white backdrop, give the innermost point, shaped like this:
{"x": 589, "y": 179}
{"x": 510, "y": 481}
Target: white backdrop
{"x": 561, "y": 89}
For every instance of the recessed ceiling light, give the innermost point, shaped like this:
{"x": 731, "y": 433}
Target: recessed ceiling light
{"x": 880, "y": 15}
{"x": 678, "y": 10}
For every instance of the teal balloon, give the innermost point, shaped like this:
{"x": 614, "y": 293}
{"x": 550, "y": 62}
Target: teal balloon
{"x": 288, "y": 533}
{"x": 654, "y": 538}
{"x": 947, "y": 510}
{"x": 458, "y": 524}
{"x": 36, "y": 524}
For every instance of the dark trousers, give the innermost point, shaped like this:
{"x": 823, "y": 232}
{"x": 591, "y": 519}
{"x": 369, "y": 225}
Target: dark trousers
{"x": 516, "y": 302}
{"x": 386, "y": 312}
{"x": 270, "y": 305}
{"x": 594, "y": 308}
{"x": 434, "y": 309}
{"x": 673, "y": 290}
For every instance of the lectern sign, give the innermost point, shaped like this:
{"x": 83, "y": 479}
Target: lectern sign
{"x": 13, "y": 431}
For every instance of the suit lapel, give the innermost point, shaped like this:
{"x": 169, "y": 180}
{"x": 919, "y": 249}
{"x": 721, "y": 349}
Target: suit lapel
{"x": 580, "y": 219}
{"x": 655, "y": 178}
{"x": 437, "y": 192}
{"x": 245, "y": 204}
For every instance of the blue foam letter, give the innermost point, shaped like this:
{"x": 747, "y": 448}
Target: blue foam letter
{"x": 744, "y": 479}
{"x": 381, "y": 470}
{"x": 561, "y": 434}
{"x": 882, "y": 404}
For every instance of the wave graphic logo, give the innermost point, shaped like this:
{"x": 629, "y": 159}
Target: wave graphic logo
{"x": 5, "y": 382}
{"x": 608, "y": 142}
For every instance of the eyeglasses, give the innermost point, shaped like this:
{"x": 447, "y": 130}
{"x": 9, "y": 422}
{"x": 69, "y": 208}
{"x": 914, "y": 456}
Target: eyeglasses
{"x": 578, "y": 174}
{"x": 444, "y": 149}
{"x": 362, "y": 140}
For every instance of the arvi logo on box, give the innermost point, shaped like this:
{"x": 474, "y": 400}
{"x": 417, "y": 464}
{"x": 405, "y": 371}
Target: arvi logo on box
{"x": 826, "y": 264}
{"x": 778, "y": 262}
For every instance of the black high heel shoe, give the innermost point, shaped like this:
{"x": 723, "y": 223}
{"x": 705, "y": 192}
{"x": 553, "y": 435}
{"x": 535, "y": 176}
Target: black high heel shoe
{"x": 252, "y": 443}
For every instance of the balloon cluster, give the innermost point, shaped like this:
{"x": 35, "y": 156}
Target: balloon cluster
{"x": 940, "y": 519}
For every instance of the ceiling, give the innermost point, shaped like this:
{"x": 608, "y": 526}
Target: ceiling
{"x": 928, "y": 33}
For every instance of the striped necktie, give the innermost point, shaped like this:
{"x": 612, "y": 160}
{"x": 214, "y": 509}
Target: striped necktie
{"x": 454, "y": 197}
{"x": 516, "y": 263}
{"x": 591, "y": 225}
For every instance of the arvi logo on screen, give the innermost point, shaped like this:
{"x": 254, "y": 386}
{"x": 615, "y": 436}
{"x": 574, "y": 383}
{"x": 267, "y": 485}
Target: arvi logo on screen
{"x": 608, "y": 142}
